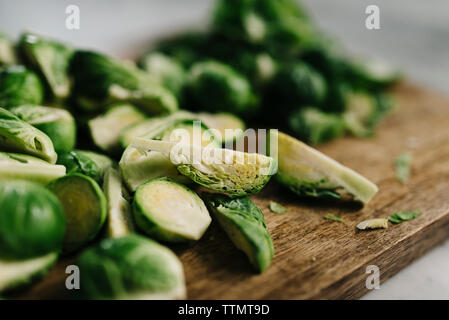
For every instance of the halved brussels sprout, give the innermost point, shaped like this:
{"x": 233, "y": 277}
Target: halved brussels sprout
{"x": 244, "y": 224}
{"x": 7, "y": 54}
{"x": 15, "y": 166}
{"x": 234, "y": 172}
{"x": 88, "y": 163}
{"x": 307, "y": 172}
{"x": 170, "y": 211}
{"x": 166, "y": 70}
{"x": 100, "y": 81}
{"x": 31, "y": 220}
{"x": 18, "y": 136}
{"x": 214, "y": 86}
{"x": 228, "y": 125}
{"x": 105, "y": 129}
{"x": 372, "y": 75}
{"x": 119, "y": 221}
{"x": 131, "y": 267}
{"x": 19, "y": 86}
{"x": 57, "y": 124}
{"x": 51, "y": 59}
{"x": 84, "y": 206}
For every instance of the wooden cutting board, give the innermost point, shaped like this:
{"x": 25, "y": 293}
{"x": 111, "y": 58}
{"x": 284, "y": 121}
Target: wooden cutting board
{"x": 320, "y": 259}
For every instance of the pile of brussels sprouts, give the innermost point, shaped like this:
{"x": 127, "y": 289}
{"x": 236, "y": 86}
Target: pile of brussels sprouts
{"x": 89, "y": 164}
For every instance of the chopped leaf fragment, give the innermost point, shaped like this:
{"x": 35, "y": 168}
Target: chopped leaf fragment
{"x": 277, "y": 208}
{"x": 373, "y": 224}
{"x": 401, "y": 216}
{"x": 402, "y": 165}
{"x": 332, "y": 217}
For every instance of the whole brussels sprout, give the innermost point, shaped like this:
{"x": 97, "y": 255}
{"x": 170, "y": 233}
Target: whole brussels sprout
{"x": 19, "y": 86}
{"x": 214, "y": 86}
{"x": 101, "y": 80}
{"x": 31, "y": 220}
{"x": 18, "y": 136}
{"x": 51, "y": 59}
{"x": 57, "y": 124}
{"x": 7, "y": 54}
{"x": 131, "y": 267}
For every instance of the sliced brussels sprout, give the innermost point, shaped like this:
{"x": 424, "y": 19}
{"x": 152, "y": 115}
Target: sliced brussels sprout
{"x": 31, "y": 220}
{"x": 244, "y": 224}
{"x": 234, "y": 172}
{"x": 19, "y": 86}
{"x": 57, "y": 124}
{"x": 100, "y": 81}
{"x": 119, "y": 221}
{"x": 214, "y": 86}
{"x": 315, "y": 126}
{"x": 15, "y": 166}
{"x": 88, "y": 163}
{"x": 166, "y": 70}
{"x": 7, "y": 54}
{"x": 169, "y": 211}
{"x": 132, "y": 268}
{"x": 84, "y": 206}
{"x": 18, "y": 136}
{"x": 51, "y": 59}
{"x": 228, "y": 125}
{"x": 307, "y": 172}
{"x": 105, "y": 129}
{"x": 18, "y": 273}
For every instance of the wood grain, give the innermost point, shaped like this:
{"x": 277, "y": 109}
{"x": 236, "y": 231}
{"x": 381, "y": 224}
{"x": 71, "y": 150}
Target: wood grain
{"x": 321, "y": 259}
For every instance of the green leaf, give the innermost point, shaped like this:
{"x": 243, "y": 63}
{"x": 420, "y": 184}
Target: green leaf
{"x": 332, "y": 217}
{"x": 277, "y": 208}
{"x": 402, "y": 165}
{"x": 401, "y": 216}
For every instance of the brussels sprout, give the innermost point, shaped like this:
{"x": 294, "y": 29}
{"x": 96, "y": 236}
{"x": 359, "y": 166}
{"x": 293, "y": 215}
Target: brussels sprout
{"x": 100, "y": 81}
{"x": 244, "y": 224}
{"x": 166, "y": 70}
{"x": 119, "y": 221}
{"x": 293, "y": 86}
{"x": 169, "y": 211}
{"x": 105, "y": 129}
{"x": 84, "y": 206}
{"x": 214, "y": 86}
{"x": 51, "y": 59}
{"x": 88, "y": 163}
{"x": 57, "y": 124}
{"x": 17, "y": 135}
{"x": 31, "y": 220}
{"x": 371, "y": 75}
{"x": 308, "y": 172}
{"x": 131, "y": 267}
{"x": 230, "y": 127}
{"x": 315, "y": 126}
{"x": 19, "y": 86}
{"x": 7, "y": 54}
{"x": 14, "y": 166}
{"x": 234, "y": 172}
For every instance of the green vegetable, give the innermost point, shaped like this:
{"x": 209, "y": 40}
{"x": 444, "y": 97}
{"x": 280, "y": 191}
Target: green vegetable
{"x": 379, "y": 223}
{"x": 403, "y": 165}
{"x": 330, "y": 216}
{"x": 87, "y": 163}
{"x": 214, "y": 86}
{"x": 169, "y": 211}
{"x": 315, "y": 126}
{"x": 234, "y": 172}
{"x": 7, "y": 54}
{"x": 84, "y": 206}
{"x": 100, "y": 81}
{"x": 19, "y": 86}
{"x": 57, "y": 124}
{"x": 105, "y": 129}
{"x": 18, "y": 136}
{"x": 119, "y": 221}
{"x": 374, "y": 75}
{"x": 31, "y": 220}
{"x": 14, "y": 166}
{"x": 401, "y": 216}
{"x": 131, "y": 267}
{"x": 230, "y": 127}
{"x": 277, "y": 208}
{"x": 244, "y": 224}
{"x": 308, "y": 172}
{"x": 51, "y": 59}
{"x": 166, "y": 70}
